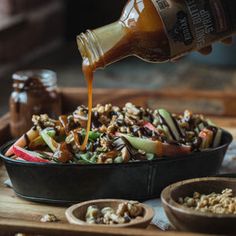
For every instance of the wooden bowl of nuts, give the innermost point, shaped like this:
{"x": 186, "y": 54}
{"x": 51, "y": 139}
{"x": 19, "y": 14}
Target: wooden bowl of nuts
{"x": 110, "y": 212}
{"x": 205, "y": 205}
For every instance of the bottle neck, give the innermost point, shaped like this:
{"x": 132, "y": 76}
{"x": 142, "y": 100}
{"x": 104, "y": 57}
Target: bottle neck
{"x": 105, "y": 45}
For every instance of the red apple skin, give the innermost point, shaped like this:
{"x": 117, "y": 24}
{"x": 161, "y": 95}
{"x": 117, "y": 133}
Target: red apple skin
{"x": 23, "y": 154}
{"x": 150, "y": 126}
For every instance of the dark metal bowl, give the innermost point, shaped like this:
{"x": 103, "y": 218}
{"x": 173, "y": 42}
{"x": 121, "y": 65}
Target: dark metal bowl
{"x": 70, "y": 183}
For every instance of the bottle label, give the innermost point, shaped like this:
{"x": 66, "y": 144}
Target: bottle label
{"x": 194, "y": 24}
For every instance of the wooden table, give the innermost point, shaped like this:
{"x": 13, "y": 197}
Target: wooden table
{"x": 17, "y": 215}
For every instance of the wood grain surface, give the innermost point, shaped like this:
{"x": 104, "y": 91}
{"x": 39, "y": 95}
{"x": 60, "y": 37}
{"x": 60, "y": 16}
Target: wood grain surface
{"x": 18, "y": 215}
{"x": 207, "y": 102}
{"x": 4, "y": 128}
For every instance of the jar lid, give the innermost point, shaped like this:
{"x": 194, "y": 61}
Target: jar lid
{"x": 47, "y": 77}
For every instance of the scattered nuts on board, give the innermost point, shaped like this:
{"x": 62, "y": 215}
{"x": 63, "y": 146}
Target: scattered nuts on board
{"x": 49, "y": 218}
{"x": 124, "y": 213}
{"x": 218, "y": 203}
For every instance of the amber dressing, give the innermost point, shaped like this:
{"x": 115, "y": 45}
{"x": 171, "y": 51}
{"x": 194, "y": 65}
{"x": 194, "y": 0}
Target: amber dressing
{"x": 88, "y": 74}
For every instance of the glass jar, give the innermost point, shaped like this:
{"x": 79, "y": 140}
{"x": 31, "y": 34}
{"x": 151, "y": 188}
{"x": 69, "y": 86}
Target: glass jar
{"x": 34, "y": 92}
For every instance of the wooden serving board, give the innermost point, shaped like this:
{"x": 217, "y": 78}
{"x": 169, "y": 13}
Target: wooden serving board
{"x": 207, "y": 102}
{"x": 17, "y": 215}
{"x": 20, "y": 216}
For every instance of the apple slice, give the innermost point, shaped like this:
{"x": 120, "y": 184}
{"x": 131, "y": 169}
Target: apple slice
{"x": 157, "y": 147}
{"x": 207, "y": 138}
{"x": 52, "y": 144}
{"x": 171, "y": 150}
{"x": 167, "y": 133}
{"x": 168, "y": 121}
{"x": 150, "y": 126}
{"x": 23, "y": 141}
{"x": 39, "y": 140}
{"x": 28, "y": 155}
{"x": 146, "y": 145}
{"x": 218, "y": 137}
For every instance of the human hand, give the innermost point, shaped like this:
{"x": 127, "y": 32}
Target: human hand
{"x": 208, "y": 50}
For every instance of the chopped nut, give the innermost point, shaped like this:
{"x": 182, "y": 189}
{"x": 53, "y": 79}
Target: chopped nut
{"x": 92, "y": 212}
{"x": 115, "y": 109}
{"x": 223, "y": 203}
{"x": 103, "y": 129}
{"x": 196, "y": 195}
{"x": 130, "y": 108}
{"x": 187, "y": 115}
{"x": 123, "y": 129}
{"x": 108, "y": 108}
{"x": 125, "y": 212}
{"x": 49, "y": 218}
{"x": 101, "y": 109}
{"x": 134, "y": 209}
{"x": 81, "y": 113}
{"x": 43, "y": 121}
{"x": 122, "y": 208}
{"x": 190, "y": 202}
{"x": 125, "y": 154}
{"x": 107, "y": 209}
{"x": 107, "y": 157}
{"x": 112, "y": 128}
{"x": 181, "y": 200}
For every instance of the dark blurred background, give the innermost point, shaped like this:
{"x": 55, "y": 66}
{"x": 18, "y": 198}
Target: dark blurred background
{"x": 41, "y": 34}
{"x": 82, "y": 15}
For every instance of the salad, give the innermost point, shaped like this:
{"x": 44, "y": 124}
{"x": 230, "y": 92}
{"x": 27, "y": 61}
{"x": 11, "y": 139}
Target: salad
{"x": 118, "y": 135}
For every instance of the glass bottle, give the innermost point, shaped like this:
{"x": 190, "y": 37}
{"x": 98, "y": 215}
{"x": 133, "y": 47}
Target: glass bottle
{"x": 159, "y": 30}
{"x": 34, "y": 92}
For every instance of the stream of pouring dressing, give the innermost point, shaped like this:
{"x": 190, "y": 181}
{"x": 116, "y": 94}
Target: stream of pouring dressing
{"x": 88, "y": 74}
{"x": 112, "y": 55}
{"x": 116, "y": 52}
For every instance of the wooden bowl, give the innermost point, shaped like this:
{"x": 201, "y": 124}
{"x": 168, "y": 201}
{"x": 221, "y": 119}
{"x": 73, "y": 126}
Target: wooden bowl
{"x": 186, "y": 219}
{"x": 76, "y": 213}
